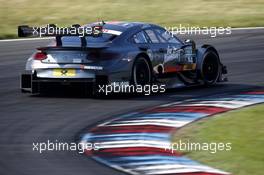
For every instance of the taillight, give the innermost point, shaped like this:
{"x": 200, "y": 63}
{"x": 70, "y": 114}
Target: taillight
{"x": 40, "y": 56}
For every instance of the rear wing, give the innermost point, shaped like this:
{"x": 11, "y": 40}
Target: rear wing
{"x": 52, "y": 30}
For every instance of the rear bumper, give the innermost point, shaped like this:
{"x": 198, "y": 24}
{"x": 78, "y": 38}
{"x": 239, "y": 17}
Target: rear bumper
{"x": 30, "y": 83}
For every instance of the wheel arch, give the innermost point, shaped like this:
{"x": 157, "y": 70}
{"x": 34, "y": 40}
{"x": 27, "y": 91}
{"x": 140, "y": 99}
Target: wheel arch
{"x": 144, "y": 55}
{"x": 201, "y": 54}
{"x": 208, "y": 47}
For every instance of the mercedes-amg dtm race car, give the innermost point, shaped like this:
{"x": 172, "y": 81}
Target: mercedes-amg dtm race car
{"x": 133, "y": 53}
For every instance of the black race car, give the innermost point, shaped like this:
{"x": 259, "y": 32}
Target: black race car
{"x": 133, "y": 53}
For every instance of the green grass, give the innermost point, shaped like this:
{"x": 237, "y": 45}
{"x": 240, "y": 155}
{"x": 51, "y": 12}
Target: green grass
{"x": 244, "y": 129}
{"x": 234, "y": 13}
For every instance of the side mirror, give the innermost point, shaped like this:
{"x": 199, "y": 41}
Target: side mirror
{"x": 190, "y": 42}
{"x": 187, "y": 41}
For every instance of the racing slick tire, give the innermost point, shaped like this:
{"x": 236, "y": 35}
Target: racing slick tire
{"x": 141, "y": 72}
{"x": 211, "y": 68}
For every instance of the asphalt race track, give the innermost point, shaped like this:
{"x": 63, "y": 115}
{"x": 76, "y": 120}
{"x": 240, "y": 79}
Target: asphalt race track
{"x": 26, "y": 119}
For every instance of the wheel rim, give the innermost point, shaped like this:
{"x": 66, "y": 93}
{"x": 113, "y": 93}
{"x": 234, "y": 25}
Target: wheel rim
{"x": 141, "y": 73}
{"x": 210, "y": 68}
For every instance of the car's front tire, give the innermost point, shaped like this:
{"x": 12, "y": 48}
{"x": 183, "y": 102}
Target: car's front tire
{"x": 210, "y": 70}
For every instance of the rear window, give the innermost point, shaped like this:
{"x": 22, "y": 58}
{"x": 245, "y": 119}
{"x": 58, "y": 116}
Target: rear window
{"x": 105, "y": 37}
{"x": 71, "y": 41}
{"x": 76, "y": 40}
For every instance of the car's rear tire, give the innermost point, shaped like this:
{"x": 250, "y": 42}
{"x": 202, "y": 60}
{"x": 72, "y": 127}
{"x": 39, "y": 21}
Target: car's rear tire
{"x": 141, "y": 72}
{"x": 210, "y": 70}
